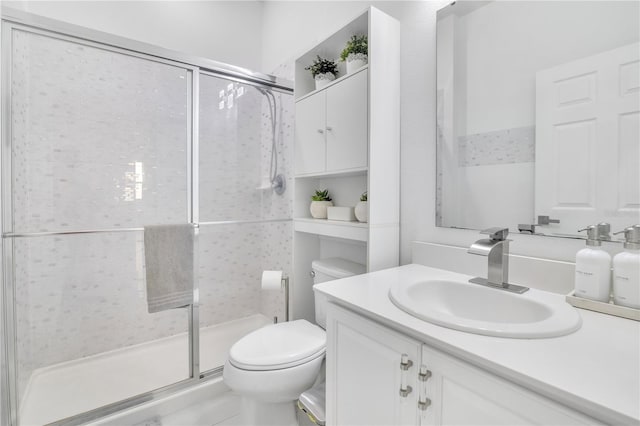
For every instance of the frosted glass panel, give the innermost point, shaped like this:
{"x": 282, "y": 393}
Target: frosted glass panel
{"x": 236, "y": 137}
{"x": 99, "y": 138}
{"x": 84, "y": 336}
{"x": 232, "y": 258}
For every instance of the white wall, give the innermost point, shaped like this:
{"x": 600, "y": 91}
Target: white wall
{"x": 290, "y": 28}
{"x": 225, "y": 31}
{"x": 501, "y": 71}
{"x": 495, "y": 87}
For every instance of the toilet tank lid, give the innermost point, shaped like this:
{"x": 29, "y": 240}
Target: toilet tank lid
{"x": 338, "y": 267}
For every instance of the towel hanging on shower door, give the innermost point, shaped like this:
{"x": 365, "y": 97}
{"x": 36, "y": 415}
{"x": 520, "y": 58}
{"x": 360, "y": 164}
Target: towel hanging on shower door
{"x": 169, "y": 266}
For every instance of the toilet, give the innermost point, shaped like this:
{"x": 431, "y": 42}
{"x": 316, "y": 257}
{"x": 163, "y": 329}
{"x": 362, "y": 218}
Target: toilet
{"x": 270, "y": 367}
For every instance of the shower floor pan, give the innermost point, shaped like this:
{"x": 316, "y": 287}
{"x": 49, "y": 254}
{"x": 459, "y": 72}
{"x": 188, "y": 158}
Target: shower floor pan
{"x": 62, "y": 390}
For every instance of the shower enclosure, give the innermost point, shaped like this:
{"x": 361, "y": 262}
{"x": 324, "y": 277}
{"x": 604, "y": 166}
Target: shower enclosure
{"x": 100, "y": 137}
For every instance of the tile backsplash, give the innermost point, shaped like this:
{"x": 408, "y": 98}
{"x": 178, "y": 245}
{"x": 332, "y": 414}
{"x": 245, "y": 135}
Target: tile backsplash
{"x": 506, "y": 146}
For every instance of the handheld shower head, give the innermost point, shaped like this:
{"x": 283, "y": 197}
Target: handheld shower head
{"x": 278, "y": 182}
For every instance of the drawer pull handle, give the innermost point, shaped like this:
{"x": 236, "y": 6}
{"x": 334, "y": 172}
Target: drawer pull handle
{"x": 405, "y": 365}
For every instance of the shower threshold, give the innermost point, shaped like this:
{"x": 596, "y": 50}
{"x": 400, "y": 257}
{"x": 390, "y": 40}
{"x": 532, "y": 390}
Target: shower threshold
{"x": 73, "y": 387}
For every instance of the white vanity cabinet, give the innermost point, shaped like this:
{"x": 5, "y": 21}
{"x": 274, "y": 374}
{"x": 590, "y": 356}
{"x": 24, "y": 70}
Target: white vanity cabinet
{"x": 366, "y": 373}
{"x": 378, "y": 376}
{"x": 332, "y": 127}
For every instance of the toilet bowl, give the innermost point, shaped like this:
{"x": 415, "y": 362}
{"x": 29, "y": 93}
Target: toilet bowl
{"x": 270, "y": 367}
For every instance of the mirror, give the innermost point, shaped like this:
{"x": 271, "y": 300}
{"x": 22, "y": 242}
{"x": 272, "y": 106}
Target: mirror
{"x": 538, "y": 115}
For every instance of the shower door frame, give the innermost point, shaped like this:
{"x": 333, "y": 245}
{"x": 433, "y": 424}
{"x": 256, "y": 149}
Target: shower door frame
{"x": 18, "y": 20}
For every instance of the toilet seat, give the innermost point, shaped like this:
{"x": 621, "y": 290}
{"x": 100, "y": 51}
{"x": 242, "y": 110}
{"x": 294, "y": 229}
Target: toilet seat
{"x": 279, "y": 346}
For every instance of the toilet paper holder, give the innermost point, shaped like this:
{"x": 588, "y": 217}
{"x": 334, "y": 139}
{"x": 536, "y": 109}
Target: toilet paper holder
{"x": 285, "y": 286}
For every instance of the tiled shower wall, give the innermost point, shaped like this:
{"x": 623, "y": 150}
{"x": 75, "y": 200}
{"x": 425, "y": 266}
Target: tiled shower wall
{"x": 100, "y": 142}
{"x": 234, "y": 185}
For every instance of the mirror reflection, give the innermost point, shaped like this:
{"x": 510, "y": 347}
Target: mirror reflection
{"x": 538, "y": 114}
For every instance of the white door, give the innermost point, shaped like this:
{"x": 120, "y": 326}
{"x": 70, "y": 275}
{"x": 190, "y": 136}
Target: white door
{"x": 310, "y": 147}
{"x": 462, "y": 394}
{"x": 347, "y": 123}
{"x": 364, "y": 373}
{"x": 587, "y": 141}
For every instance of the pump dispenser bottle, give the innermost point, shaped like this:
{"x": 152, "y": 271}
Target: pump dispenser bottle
{"x": 593, "y": 265}
{"x": 626, "y": 270}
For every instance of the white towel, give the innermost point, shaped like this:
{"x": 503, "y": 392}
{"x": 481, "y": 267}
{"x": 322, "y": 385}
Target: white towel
{"x": 168, "y": 260}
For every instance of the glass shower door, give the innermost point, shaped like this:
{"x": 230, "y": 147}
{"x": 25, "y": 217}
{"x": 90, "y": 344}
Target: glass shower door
{"x": 245, "y": 226}
{"x": 100, "y": 147}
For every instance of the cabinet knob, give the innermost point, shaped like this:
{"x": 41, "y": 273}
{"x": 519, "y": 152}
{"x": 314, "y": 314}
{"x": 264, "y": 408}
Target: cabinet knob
{"x": 320, "y": 131}
{"x": 404, "y": 392}
{"x": 424, "y": 374}
{"x": 423, "y": 405}
{"x": 329, "y": 128}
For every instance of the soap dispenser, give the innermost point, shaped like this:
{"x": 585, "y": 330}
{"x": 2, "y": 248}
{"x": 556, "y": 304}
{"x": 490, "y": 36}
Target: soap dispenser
{"x": 626, "y": 270}
{"x": 593, "y": 265}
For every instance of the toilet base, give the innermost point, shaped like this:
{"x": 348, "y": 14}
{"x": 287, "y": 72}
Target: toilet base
{"x": 256, "y": 413}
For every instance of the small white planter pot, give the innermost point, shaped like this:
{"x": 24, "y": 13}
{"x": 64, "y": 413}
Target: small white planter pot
{"x": 318, "y": 209}
{"x": 356, "y": 61}
{"x": 362, "y": 211}
{"x": 323, "y": 79}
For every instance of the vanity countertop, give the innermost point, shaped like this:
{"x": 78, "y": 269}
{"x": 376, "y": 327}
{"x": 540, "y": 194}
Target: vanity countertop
{"x": 595, "y": 370}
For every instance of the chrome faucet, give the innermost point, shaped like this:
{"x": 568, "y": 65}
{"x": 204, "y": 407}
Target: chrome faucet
{"x": 496, "y": 248}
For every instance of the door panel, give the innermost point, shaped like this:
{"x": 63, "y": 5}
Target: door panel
{"x": 364, "y": 375}
{"x": 99, "y": 142}
{"x": 587, "y": 141}
{"x": 310, "y": 146}
{"x": 462, "y": 394}
{"x": 347, "y": 119}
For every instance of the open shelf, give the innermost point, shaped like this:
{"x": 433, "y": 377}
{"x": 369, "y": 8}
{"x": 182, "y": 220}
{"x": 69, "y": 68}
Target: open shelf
{"x": 333, "y": 228}
{"x": 341, "y": 173}
{"x": 330, "y": 48}
{"x": 336, "y": 81}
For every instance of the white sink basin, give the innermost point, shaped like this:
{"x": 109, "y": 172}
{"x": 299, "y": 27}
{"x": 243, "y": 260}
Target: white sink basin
{"x": 483, "y": 310}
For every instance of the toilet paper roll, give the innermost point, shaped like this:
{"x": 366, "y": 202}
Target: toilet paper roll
{"x": 271, "y": 280}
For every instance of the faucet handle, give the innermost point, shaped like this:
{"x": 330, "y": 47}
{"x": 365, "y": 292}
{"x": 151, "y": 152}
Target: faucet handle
{"x": 497, "y": 233}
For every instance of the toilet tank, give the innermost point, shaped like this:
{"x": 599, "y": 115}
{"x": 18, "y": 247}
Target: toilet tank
{"x": 330, "y": 269}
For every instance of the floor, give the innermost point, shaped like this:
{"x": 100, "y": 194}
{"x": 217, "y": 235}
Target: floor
{"x": 223, "y": 411}
{"x": 73, "y": 387}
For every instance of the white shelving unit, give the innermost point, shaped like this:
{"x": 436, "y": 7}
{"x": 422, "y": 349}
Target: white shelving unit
{"x": 348, "y": 141}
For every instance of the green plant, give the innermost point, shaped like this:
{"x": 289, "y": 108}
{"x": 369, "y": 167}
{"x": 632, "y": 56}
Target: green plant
{"x": 321, "y": 195}
{"x": 355, "y": 45}
{"x": 364, "y": 196}
{"x": 322, "y": 66}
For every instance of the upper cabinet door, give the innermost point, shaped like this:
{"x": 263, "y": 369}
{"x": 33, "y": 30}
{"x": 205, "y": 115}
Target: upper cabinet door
{"x": 347, "y": 123}
{"x": 310, "y": 134}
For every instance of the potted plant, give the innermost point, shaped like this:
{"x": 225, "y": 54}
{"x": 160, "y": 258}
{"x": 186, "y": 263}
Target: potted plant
{"x": 319, "y": 203}
{"x": 323, "y": 71}
{"x": 355, "y": 53}
{"x": 362, "y": 209}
